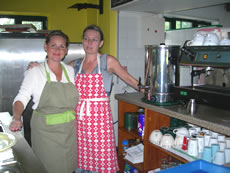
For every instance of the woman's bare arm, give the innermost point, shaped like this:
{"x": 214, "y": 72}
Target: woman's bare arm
{"x": 115, "y": 67}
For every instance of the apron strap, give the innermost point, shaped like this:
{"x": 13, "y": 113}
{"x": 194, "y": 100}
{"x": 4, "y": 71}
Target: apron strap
{"x": 98, "y": 62}
{"x": 48, "y": 74}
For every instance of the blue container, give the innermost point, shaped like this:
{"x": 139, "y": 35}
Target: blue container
{"x": 198, "y": 166}
{"x": 141, "y": 124}
{"x": 130, "y": 169}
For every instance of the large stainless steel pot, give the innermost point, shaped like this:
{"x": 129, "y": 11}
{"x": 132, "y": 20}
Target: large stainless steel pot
{"x": 160, "y": 72}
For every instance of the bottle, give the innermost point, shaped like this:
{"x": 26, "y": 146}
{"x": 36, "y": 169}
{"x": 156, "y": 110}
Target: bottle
{"x": 141, "y": 122}
{"x": 125, "y": 146}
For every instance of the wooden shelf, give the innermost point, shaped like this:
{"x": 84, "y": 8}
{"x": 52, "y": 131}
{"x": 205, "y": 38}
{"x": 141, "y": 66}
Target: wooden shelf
{"x": 153, "y": 154}
{"x": 139, "y": 166}
{"x": 168, "y": 152}
{"x": 132, "y": 133}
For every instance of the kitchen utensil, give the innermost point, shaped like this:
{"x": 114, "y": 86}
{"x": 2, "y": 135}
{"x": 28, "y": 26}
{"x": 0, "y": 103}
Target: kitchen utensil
{"x": 207, "y": 154}
{"x": 221, "y": 138}
{"x": 160, "y": 80}
{"x": 191, "y": 107}
{"x": 213, "y": 140}
{"x": 214, "y": 134}
{"x": 197, "y": 40}
{"x": 6, "y": 141}
{"x": 130, "y": 120}
{"x": 179, "y": 140}
{"x": 222, "y": 145}
{"x": 224, "y": 41}
{"x": 207, "y": 139}
{"x": 215, "y": 148}
{"x": 227, "y": 155}
{"x": 219, "y": 158}
{"x": 211, "y": 39}
{"x": 167, "y": 141}
{"x": 155, "y": 136}
{"x": 191, "y": 131}
{"x": 227, "y": 140}
{"x": 182, "y": 131}
{"x": 200, "y": 140}
{"x": 193, "y": 147}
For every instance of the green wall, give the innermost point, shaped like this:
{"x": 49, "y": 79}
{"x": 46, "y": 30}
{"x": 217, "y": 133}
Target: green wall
{"x": 71, "y": 21}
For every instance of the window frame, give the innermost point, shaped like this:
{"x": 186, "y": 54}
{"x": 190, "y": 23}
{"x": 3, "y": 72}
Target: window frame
{"x": 195, "y": 23}
{"x": 20, "y": 18}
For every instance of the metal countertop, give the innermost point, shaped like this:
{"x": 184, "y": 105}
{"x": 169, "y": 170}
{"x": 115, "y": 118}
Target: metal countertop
{"x": 22, "y": 150}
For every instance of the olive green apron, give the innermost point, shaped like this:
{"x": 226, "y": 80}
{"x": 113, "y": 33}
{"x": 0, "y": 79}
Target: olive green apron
{"x": 53, "y": 126}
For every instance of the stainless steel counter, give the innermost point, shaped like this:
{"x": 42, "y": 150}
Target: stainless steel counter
{"x": 217, "y": 120}
{"x": 23, "y": 153}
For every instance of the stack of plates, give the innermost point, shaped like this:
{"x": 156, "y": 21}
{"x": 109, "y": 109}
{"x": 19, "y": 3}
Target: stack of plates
{"x": 6, "y": 142}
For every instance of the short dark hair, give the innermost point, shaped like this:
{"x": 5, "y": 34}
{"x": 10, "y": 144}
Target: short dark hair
{"x": 57, "y": 33}
{"x": 95, "y": 28}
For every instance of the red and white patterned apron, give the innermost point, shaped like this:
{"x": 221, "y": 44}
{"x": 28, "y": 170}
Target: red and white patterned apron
{"x": 96, "y": 147}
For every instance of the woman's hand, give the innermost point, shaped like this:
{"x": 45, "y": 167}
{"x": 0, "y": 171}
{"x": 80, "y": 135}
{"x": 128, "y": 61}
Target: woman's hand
{"x": 15, "y": 125}
{"x": 32, "y": 64}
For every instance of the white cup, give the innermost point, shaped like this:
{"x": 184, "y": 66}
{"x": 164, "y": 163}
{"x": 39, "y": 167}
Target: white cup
{"x": 155, "y": 136}
{"x": 219, "y": 158}
{"x": 206, "y": 131}
{"x": 211, "y": 39}
{"x": 191, "y": 131}
{"x": 227, "y": 155}
{"x": 213, "y": 140}
{"x": 222, "y": 145}
{"x": 197, "y": 128}
{"x": 179, "y": 140}
{"x": 197, "y": 40}
{"x": 207, "y": 139}
{"x": 193, "y": 147}
{"x": 167, "y": 141}
{"x": 181, "y": 131}
{"x": 200, "y": 140}
{"x": 221, "y": 138}
{"x": 227, "y": 140}
{"x": 224, "y": 41}
{"x": 215, "y": 134}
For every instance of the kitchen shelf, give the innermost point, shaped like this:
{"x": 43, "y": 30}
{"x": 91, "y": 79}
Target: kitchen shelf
{"x": 153, "y": 154}
{"x": 132, "y": 133}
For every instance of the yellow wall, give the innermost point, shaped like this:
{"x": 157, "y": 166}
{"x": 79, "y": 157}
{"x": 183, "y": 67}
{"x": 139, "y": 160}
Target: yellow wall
{"x": 71, "y": 21}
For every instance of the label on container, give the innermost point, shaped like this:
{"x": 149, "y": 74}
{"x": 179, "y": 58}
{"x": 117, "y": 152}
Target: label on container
{"x": 141, "y": 124}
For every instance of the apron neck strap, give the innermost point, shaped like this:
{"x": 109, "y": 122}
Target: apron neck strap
{"x": 48, "y": 74}
{"x": 98, "y": 63}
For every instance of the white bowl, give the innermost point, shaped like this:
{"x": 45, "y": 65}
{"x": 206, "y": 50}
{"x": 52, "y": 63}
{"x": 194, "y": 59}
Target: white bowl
{"x": 155, "y": 136}
{"x": 225, "y": 41}
{"x": 167, "y": 141}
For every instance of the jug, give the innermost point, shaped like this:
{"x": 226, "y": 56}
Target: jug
{"x": 191, "y": 107}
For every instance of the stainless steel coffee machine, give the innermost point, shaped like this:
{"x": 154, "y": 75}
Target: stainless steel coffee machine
{"x": 160, "y": 71}
{"x": 210, "y": 75}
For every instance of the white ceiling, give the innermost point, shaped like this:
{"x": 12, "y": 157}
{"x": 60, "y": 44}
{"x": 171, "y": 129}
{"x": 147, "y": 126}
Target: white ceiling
{"x": 169, "y": 6}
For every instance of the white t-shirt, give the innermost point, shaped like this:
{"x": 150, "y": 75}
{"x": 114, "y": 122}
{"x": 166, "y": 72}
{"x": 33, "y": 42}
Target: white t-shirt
{"x": 35, "y": 80}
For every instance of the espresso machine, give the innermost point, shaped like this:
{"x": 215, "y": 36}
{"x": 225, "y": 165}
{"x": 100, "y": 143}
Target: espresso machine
{"x": 210, "y": 75}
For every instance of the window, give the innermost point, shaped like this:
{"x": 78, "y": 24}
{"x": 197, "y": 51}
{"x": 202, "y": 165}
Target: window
{"x": 40, "y": 22}
{"x": 176, "y": 23}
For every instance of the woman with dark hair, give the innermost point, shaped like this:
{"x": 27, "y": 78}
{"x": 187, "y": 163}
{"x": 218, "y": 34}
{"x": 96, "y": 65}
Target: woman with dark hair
{"x": 95, "y": 134}
{"x": 53, "y": 124}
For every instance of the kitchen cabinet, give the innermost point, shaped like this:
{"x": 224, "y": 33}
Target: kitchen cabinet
{"x": 152, "y": 153}
{"x": 156, "y": 117}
